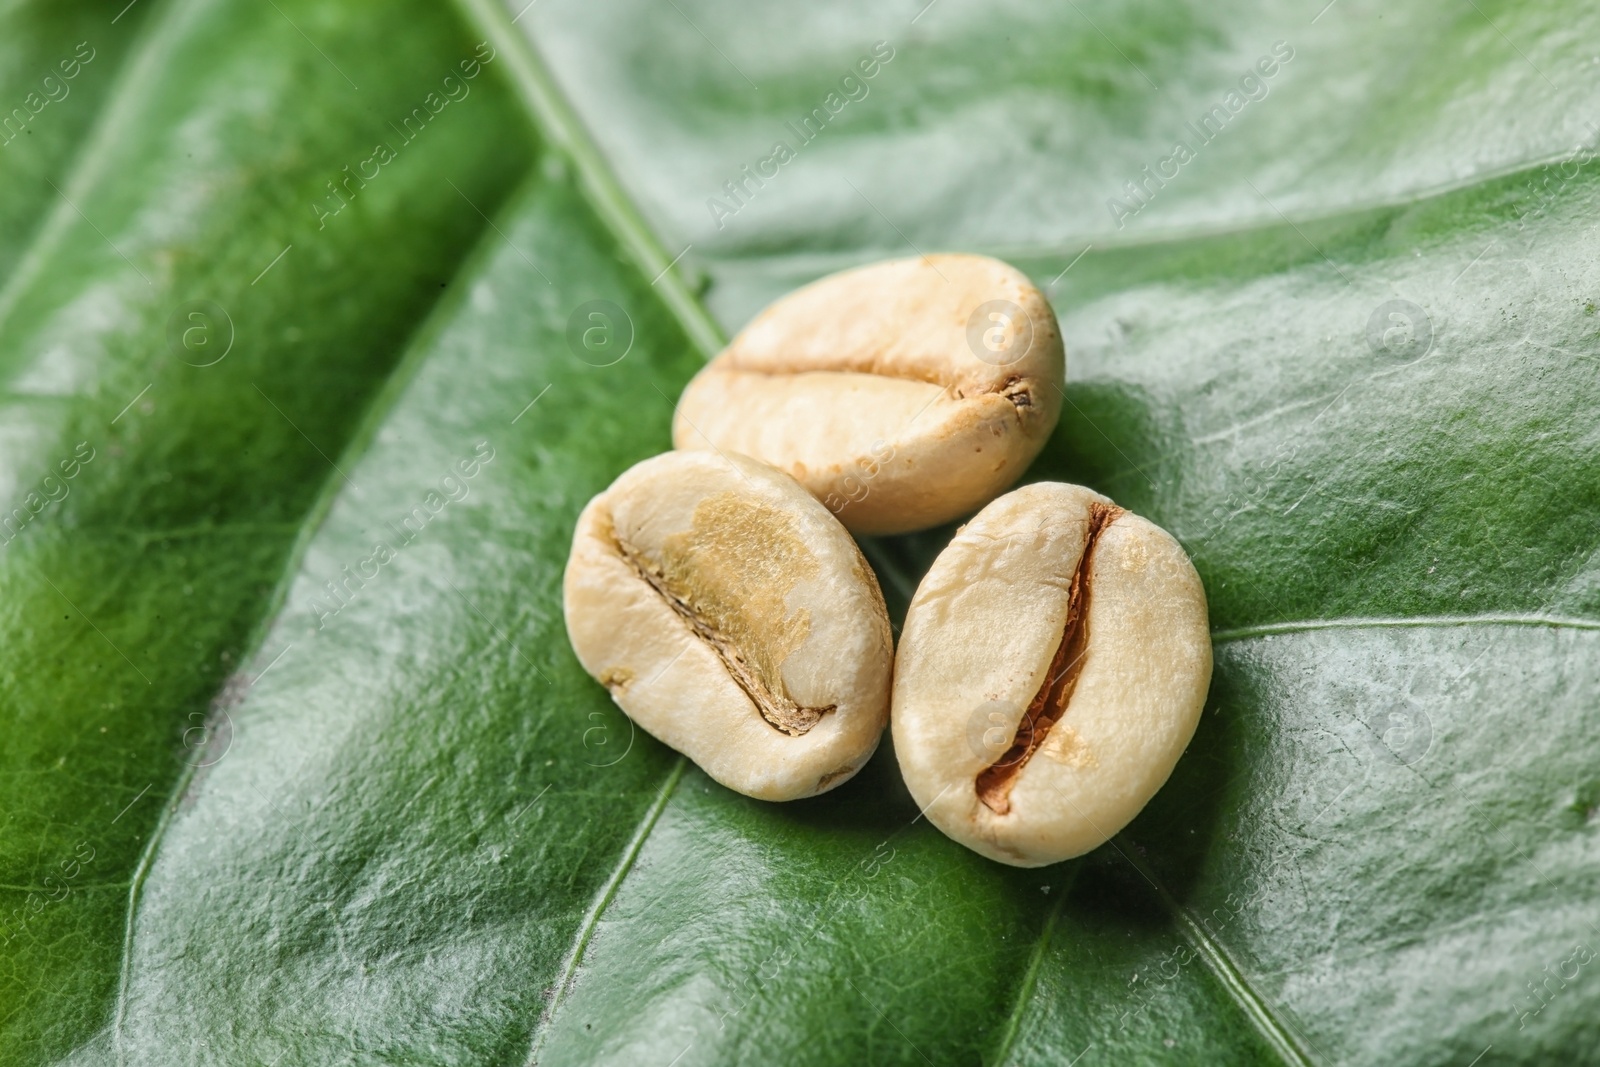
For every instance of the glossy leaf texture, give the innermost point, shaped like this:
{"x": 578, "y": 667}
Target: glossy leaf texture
{"x": 183, "y": 350}
{"x": 287, "y": 657}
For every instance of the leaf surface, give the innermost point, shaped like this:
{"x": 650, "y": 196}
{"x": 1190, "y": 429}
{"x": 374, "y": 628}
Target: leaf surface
{"x": 423, "y": 834}
{"x": 157, "y": 468}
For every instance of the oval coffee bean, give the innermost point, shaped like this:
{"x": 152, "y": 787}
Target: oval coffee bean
{"x": 902, "y": 394}
{"x": 1051, "y": 671}
{"x": 732, "y": 617}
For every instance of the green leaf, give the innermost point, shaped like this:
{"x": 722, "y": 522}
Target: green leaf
{"x": 57, "y": 62}
{"x": 130, "y": 601}
{"x": 352, "y": 803}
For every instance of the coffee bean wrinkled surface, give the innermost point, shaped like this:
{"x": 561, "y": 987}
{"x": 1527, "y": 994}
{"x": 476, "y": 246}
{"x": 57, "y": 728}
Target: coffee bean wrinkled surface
{"x": 731, "y": 616}
{"x": 1051, "y": 671}
{"x": 901, "y": 394}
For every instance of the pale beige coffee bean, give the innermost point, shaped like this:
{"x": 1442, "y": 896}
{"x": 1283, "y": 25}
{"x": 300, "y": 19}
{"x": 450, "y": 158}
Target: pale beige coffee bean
{"x": 1051, "y": 671}
{"x": 902, "y": 394}
{"x": 732, "y": 617}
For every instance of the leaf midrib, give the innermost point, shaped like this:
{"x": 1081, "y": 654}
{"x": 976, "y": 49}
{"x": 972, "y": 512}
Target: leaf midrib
{"x": 602, "y": 900}
{"x": 1030, "y": 974}
{"x": 553, "y": 118}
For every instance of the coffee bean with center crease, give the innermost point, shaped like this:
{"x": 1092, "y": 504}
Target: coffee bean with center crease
{"x": 731, "y": 616}
{"x": 902, "y": 394}
{"x": 1051, "y": 670}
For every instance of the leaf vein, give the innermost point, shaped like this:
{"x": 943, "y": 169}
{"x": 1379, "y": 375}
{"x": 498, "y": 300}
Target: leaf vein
{"x": 1279, "y": 1032}
{"x": 591, "y": 918}
{"x": 561, "y": 129}
{"x": 1244, "y": 633}
{"x": 1030, "y": 976}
